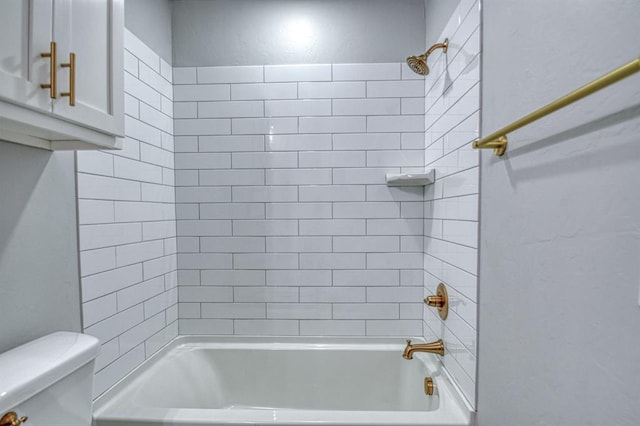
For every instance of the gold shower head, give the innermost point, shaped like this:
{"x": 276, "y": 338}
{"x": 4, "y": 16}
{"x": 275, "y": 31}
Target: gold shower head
{"x": 418, "y": 64}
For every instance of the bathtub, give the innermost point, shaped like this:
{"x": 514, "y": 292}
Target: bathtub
{"x": 283, "y": 381}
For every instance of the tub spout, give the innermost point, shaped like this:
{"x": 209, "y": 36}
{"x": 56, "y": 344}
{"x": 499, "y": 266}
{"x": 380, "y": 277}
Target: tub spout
{"x": 436, "y": 347}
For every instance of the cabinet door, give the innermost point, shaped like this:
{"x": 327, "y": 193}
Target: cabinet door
{"x": 26, "y": 32}
{"x": 93, "y": 31}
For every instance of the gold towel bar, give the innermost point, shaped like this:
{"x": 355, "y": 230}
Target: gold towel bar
{"x": 498, "y": 140}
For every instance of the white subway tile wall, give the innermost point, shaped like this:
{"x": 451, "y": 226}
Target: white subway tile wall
{"x": 128, "y": 249}
{"x": 452, "y": 102}
{"x": 285, "y": 224}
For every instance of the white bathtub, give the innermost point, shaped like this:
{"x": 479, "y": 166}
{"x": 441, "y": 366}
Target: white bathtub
{"x": 283, "y": 381}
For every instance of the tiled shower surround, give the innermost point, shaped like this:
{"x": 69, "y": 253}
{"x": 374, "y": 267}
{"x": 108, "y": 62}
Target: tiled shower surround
{"x": 452, "y": 104}
{"x": 285, "y": 224}
{"x": 127, "y": 232}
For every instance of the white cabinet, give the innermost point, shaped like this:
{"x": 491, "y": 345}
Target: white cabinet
{"x": 82, "y": 106}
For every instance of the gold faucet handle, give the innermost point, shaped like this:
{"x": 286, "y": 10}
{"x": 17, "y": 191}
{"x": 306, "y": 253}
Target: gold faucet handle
{"x": 11, "y": 419}
{"x": 408, "y": 342}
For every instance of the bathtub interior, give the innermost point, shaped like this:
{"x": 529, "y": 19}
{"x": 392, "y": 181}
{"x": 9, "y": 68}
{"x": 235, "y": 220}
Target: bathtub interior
{"x": 304, "y": 379}
{"x": 234, "y": 380}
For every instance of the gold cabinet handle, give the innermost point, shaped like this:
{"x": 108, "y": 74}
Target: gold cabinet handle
{"x": 51, "y": 54}
{"x": 11, "y": 419}
{"x": 72, "y": 79}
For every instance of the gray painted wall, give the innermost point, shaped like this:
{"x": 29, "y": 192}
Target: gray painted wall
{"x": 39, "y": 284}
{"x": 437, "y": 14}
{"x": 560, "y": 218}
{"x": 150, "y": 21}
{"x": 257, "y": 32}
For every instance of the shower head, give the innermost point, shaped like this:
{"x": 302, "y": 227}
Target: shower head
{"x": 418, "y": 64}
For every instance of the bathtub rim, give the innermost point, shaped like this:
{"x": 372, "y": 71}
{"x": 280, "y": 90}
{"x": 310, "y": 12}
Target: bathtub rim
{"x": 451, "y": 398}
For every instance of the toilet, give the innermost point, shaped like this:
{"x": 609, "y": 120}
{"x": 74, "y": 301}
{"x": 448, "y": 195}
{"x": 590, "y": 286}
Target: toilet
{"x": 48, "y": 382}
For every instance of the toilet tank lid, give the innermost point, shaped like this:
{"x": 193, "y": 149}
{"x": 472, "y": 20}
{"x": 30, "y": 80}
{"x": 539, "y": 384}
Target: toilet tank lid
{"x": 34, "y": 366}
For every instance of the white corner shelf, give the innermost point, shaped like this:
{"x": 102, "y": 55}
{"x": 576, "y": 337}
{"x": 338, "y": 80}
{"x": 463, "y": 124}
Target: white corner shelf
{"x": 411, "y": 179}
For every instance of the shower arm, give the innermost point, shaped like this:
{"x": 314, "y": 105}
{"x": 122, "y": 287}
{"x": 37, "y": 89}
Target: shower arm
{"x": 444, "y": 46}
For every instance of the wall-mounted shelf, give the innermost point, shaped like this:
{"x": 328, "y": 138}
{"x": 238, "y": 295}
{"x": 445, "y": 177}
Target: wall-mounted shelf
{"x": 411, "y": 179}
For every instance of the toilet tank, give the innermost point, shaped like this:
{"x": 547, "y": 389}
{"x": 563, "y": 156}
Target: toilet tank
{"x": 50, "y": 380}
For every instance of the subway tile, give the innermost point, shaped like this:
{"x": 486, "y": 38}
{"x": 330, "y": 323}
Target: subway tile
{"x": 366, "y": 210}
{"x": 298, "y": 244}
{"x": 186, "y": 144}
{"x": 233, "y": 310}
{"x": 332, "y": 159}
{"x": 186, "y": 161}
{"x": 231, "y": 143}
{"x": 332, "y": 328}
{"x": 138, "y": 293}
{"x": 395, "y": 89}
{"x": 188, "y": 211}
{"x": 265, "y": 227}
{"x": 117, "y": 324}
{"x": 265, "y": 261}
{"x": 95, "y": 162}
{"x": 138, "y": 252}
{"x": 204, "y": 261}
{"x": 265, "y": 294}
{"x": 364, "y": 244}
{"x": 361, "y": 176}
{"x": 263, "y": 194}
{"x": 405, "y": 327}
{"x": 332, "y": 227}
{"x": 264, "y": 91}
{"x": 136, "y": 170}
{"x": 378, "y": 71}
{"x": 413, "y": 140}
{"x": 232, "y": 211}
{"x": 99, "y": 236}
{"x": 155, "y": 80}
{"x": 366, "y": 311}
{"x": 95, "y": 212}
{"x": 186, "y": 178}
{"x": 200, "y": 228}
{"x": 394, "y": 227}
{"x": 298, "y": 210}
{"x": 202, "y": 126}
{"x": 205, "y": 326}
{"x": 386, "y": 193}
{"x": 332, "y": 124}
{"x": 259, "y": 126}
{"x": 366, "y": 278}
{"x": 332, "y": 193}
{"x": 298, "y": 176}
{"x": 231, "y": 177}
{"x": 139, "y": 49}
{"x": 299, "y": 278}
{"x": 195, "y": 194}
{"x": 396, "y": 158}
{"x": 332, "y": 261}
{"x": 233, "y": 278}
{"x": 95, "y": 261}
{"x": 332, "y": 295}
{"x": 395, "y": 123}
{"x": 366, "y": 141}
{"x": 232, "y": 244}
{"x": 232, "y": 109}
{"x": 231, "y": 74}
{"x": 298, "y": 142}
{"x": 130, "y": 63}
{"x": 296, "y": 73}
{"x": 298, "y": 310}
{"x": 98, "y": 309}
{"x": 264, "y": 160}
{"x": 204, "y": 294}
{"x": 266, "y": 327}
{"x": 395, "y": 294}
{"x": 410, "y": 106}
{"x": 141, "y": 91}
{"x": 297, "y": 108}
{"x": 201, "y": 92}
{"x": 135, "y": 211}
{"x": 366, "y": 106}
{"x": 104, "y": 188}
{"x": 109, "y": 375}
{"x": 331, "y": 90}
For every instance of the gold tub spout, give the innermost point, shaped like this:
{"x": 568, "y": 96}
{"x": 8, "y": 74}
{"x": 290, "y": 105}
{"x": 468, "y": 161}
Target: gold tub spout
{"x": 436, "y": 347}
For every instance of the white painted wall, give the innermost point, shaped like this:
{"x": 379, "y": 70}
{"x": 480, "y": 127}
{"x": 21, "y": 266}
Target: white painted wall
{"x": 451, "y": 204}
{"x": 560, "y": 219}
{"x": 39, "y": 283}
{"x": 271, "y": 32}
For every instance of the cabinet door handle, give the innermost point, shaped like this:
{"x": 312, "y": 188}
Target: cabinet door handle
{"x": 72, "y": 79}
{"x": 51, "y": 54}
